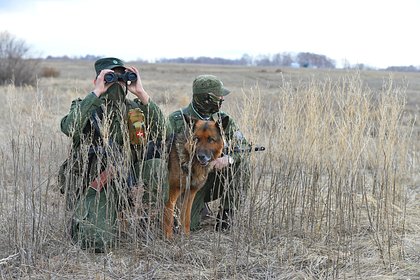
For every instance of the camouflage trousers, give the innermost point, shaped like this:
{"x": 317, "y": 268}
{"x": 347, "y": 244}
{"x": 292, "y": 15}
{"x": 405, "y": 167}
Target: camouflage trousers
{"x": 94, "y": 219}
{"x": 229, "y": 185}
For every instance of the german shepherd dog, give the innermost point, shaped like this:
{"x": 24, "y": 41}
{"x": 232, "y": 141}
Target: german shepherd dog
{"x": 189, "y": 164}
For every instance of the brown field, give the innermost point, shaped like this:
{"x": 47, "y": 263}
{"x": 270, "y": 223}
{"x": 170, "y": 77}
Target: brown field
{"x": 335, "y": 195}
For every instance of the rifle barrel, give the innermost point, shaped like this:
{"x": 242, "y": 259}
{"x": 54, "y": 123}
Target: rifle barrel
{"x": 247, "y": 150}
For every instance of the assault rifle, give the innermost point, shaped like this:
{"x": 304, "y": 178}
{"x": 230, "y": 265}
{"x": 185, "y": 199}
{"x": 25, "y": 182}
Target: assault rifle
{"x": 238, "y": 150}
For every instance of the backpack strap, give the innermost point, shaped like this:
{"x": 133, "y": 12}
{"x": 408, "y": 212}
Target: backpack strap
{"x": 179, "y": 122}
{"x": 97, "y": 115}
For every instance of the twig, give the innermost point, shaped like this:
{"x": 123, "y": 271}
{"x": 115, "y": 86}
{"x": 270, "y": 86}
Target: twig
{"x": 9, "y": 258}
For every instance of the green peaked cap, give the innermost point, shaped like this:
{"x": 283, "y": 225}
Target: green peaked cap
{"x": 108, "y": 63}
{"x": 209, "y": 84}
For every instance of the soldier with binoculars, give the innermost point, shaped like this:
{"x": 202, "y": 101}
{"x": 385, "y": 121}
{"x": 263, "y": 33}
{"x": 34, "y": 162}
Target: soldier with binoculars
{"x": 114, "y": 156}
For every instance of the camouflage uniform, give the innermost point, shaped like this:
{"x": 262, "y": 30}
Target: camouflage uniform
{"x": 230, "y": 183}
{"x": 99, "y": 128}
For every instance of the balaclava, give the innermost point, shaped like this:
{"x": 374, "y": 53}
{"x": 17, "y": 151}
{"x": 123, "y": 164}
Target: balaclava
{"x": 207, "y": 93}
{"x": 115, "y": 94}
{"x": 206, "y": 103}
{"x": 114, "y": 112}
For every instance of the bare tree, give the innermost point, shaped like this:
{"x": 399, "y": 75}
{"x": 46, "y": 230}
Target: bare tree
{"x": 16, "y": 67}
{"x": 306, "y": 59}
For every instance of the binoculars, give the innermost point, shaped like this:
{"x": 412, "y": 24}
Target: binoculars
{"x": 113, "y": 77}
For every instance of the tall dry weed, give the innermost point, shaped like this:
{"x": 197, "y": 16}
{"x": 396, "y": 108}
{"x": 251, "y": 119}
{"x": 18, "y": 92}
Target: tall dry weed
{"x": 327, "y": 199}
{"x": 334, "y": 170}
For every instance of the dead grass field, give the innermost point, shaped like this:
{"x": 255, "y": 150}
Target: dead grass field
{"x": 335, "y": 195}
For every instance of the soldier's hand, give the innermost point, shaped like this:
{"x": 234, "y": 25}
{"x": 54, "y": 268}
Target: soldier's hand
{"x": 136, "y": 87}
{"x": 100, "y": 86}
{"x": 222, "y": 162}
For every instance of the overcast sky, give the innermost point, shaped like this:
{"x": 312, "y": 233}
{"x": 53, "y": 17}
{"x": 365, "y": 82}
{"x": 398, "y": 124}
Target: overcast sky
{"x": 378, "y": 33}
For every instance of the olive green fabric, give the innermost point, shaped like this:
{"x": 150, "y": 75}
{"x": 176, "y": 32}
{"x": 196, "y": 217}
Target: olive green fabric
{"x": 81, "y": 111}
{"x": 93, "y": 213}
{"x": 98, "y": 128}
{"x": 153, "y": 173}
{"x": 207, "y": 104}
{"x": 94, "y": 219}
{"x": 230, "y": 184}
{"x": 209, "y": 84}
{"x": 115, "y": 94}
{"x": 108, "y": 63}
{"x": 233, "y": 135}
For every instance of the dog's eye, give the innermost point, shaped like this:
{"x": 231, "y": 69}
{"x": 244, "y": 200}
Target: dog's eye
{"x": 211, "y": 140}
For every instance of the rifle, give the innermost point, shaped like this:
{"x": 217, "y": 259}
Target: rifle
{"x": 238, "y": 150}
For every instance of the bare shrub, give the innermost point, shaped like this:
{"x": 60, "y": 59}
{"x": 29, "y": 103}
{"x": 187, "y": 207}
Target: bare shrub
{"x": 49, "y": 72}
{"x": 16, "y": 67}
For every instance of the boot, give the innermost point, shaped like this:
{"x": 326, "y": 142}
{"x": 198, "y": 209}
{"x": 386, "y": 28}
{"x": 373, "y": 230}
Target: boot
{"x": 224, "y": 219}
{"x": 206, "y": 212}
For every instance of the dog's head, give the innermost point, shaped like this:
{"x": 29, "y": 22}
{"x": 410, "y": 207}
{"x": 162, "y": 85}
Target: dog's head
{"x": 206, "y": 140}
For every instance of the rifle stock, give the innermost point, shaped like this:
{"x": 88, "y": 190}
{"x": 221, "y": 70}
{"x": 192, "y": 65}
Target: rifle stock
{"x": 99, "y": 182}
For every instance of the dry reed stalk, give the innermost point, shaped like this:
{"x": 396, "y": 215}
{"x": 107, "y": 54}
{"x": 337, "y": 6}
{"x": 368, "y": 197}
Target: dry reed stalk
{"x": 328, "y": 198}
{"x": 337, "y": 160}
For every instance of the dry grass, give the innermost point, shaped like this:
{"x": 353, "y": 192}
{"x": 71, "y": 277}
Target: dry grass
{"x": 335, "y": 196}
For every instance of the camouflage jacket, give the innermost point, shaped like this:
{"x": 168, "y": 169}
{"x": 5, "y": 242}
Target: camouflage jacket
{"x": 81, "y": 119}
{"x": 232, "y": 134}
{"x": 100, "y": 135}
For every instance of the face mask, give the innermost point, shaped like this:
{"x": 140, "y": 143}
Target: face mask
{"x": 113, "y": 111}
{"x": 207, "y": 104}
{"x": 115, "y": 94}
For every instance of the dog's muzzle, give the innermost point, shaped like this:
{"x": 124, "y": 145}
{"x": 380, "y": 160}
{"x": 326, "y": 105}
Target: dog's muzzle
{"x": 203, "y": 159}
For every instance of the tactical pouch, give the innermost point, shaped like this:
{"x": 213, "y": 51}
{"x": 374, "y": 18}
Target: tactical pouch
{"x": 62, "y": 176}
{"x": 67, "y": 173}
{"x": 136, "y": 126}
{"x": 70, "y": 181}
